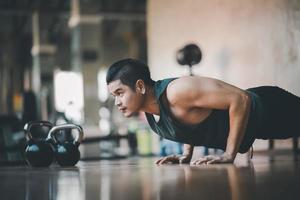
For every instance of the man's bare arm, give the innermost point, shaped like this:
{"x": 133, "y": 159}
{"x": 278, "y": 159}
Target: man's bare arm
{"x": 238, "y": 118}
{"x": 201, "y": 92}
{"x": 188, "y": 150}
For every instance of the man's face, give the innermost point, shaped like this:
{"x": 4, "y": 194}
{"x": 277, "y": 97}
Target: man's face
{"x": 127, "y": 100}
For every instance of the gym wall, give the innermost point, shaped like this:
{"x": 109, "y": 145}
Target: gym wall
{"x": 245, "y": 43}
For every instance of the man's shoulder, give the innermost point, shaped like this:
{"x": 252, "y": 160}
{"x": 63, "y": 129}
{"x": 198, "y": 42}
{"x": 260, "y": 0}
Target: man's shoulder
{"x": 180, "y": 88}
{"x": 180, "y": 84}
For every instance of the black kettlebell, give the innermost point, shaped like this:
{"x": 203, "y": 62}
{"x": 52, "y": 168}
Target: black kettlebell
{"x": 39, "y": 152}
{"x": 66, "y": 153}
{"x": 189, "y": 55}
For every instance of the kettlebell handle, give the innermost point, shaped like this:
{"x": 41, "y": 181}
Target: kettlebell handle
{"x": 31, "y": 124}
{"x": 78, "y": 138}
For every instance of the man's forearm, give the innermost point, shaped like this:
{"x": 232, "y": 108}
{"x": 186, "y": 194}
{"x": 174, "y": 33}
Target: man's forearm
{"x": 238, "y": 116}
{"x": 188, "y": 149}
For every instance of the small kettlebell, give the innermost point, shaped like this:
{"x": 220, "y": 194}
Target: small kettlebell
{"x": 38, "y": 153}
{"x": 66, "y": 153}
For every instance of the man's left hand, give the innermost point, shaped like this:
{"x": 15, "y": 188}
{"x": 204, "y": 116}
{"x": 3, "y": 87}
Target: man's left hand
{"x": 214, "y": 159}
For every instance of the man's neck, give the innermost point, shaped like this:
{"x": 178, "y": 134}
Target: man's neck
{"x": 150, "y": 103}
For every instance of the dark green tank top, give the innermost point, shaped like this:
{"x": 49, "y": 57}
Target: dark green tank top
{"x": 212, "y": 132}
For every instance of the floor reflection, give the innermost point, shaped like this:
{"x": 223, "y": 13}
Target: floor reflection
{"x": 208, "y": 182}
{"x": 70, "y": 184}
{"x": 141, "y": 179}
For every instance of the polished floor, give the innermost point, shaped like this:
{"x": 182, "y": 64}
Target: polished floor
{"x": 265, "y": 177}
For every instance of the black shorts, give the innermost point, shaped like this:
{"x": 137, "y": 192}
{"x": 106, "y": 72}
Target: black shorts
{"x": 280, "y": 115}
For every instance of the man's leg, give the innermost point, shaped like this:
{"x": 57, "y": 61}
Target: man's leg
{"x": 281, "y": 111}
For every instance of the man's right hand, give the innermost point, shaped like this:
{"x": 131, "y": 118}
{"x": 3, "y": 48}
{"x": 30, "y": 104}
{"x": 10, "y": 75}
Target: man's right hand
{"x": 174, "y": 159}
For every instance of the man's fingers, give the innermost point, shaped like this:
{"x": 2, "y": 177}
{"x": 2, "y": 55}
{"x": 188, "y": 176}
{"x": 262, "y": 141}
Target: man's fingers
{"x": 172, "y": 159}
{"x": 159, "y": 160}
{"x": 194, "y": 162}
{"x": 210, "y": 159}
{"x": 163, "y": 160}
{"x": 214, "y": 161}
{"x": 156, "y": 162}
{"x": 200, "y": 161}
{"x": 204, "y": 161}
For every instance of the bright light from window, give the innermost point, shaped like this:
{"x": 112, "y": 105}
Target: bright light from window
{"x": 102, "y": 87}
{"x": 68, "y": 94}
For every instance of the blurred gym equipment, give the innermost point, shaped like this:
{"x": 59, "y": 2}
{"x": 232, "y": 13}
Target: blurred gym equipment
{"x": 12, "y": 140}
{"x": 39, "y": 151}
{"x": 66, "y": 152}
{"x": 189, "y": 55}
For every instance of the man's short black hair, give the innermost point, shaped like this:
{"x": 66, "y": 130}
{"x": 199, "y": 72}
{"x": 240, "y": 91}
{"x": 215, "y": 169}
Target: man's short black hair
{"x": 129, "y": 71}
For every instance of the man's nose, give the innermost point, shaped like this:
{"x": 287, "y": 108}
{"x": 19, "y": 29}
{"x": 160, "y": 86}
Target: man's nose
{"x": 117, "y": 102}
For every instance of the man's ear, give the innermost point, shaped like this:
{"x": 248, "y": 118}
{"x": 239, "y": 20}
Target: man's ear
{"x": 140, "y": 86}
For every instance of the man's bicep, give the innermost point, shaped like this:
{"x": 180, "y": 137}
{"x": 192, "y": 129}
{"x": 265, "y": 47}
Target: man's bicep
{"x": 201, "y": 92}
{"x": 215, "y": 95}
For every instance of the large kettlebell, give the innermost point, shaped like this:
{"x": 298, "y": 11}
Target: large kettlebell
{"x": 38, "y": 153}
{"x": 66, "y": 153}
